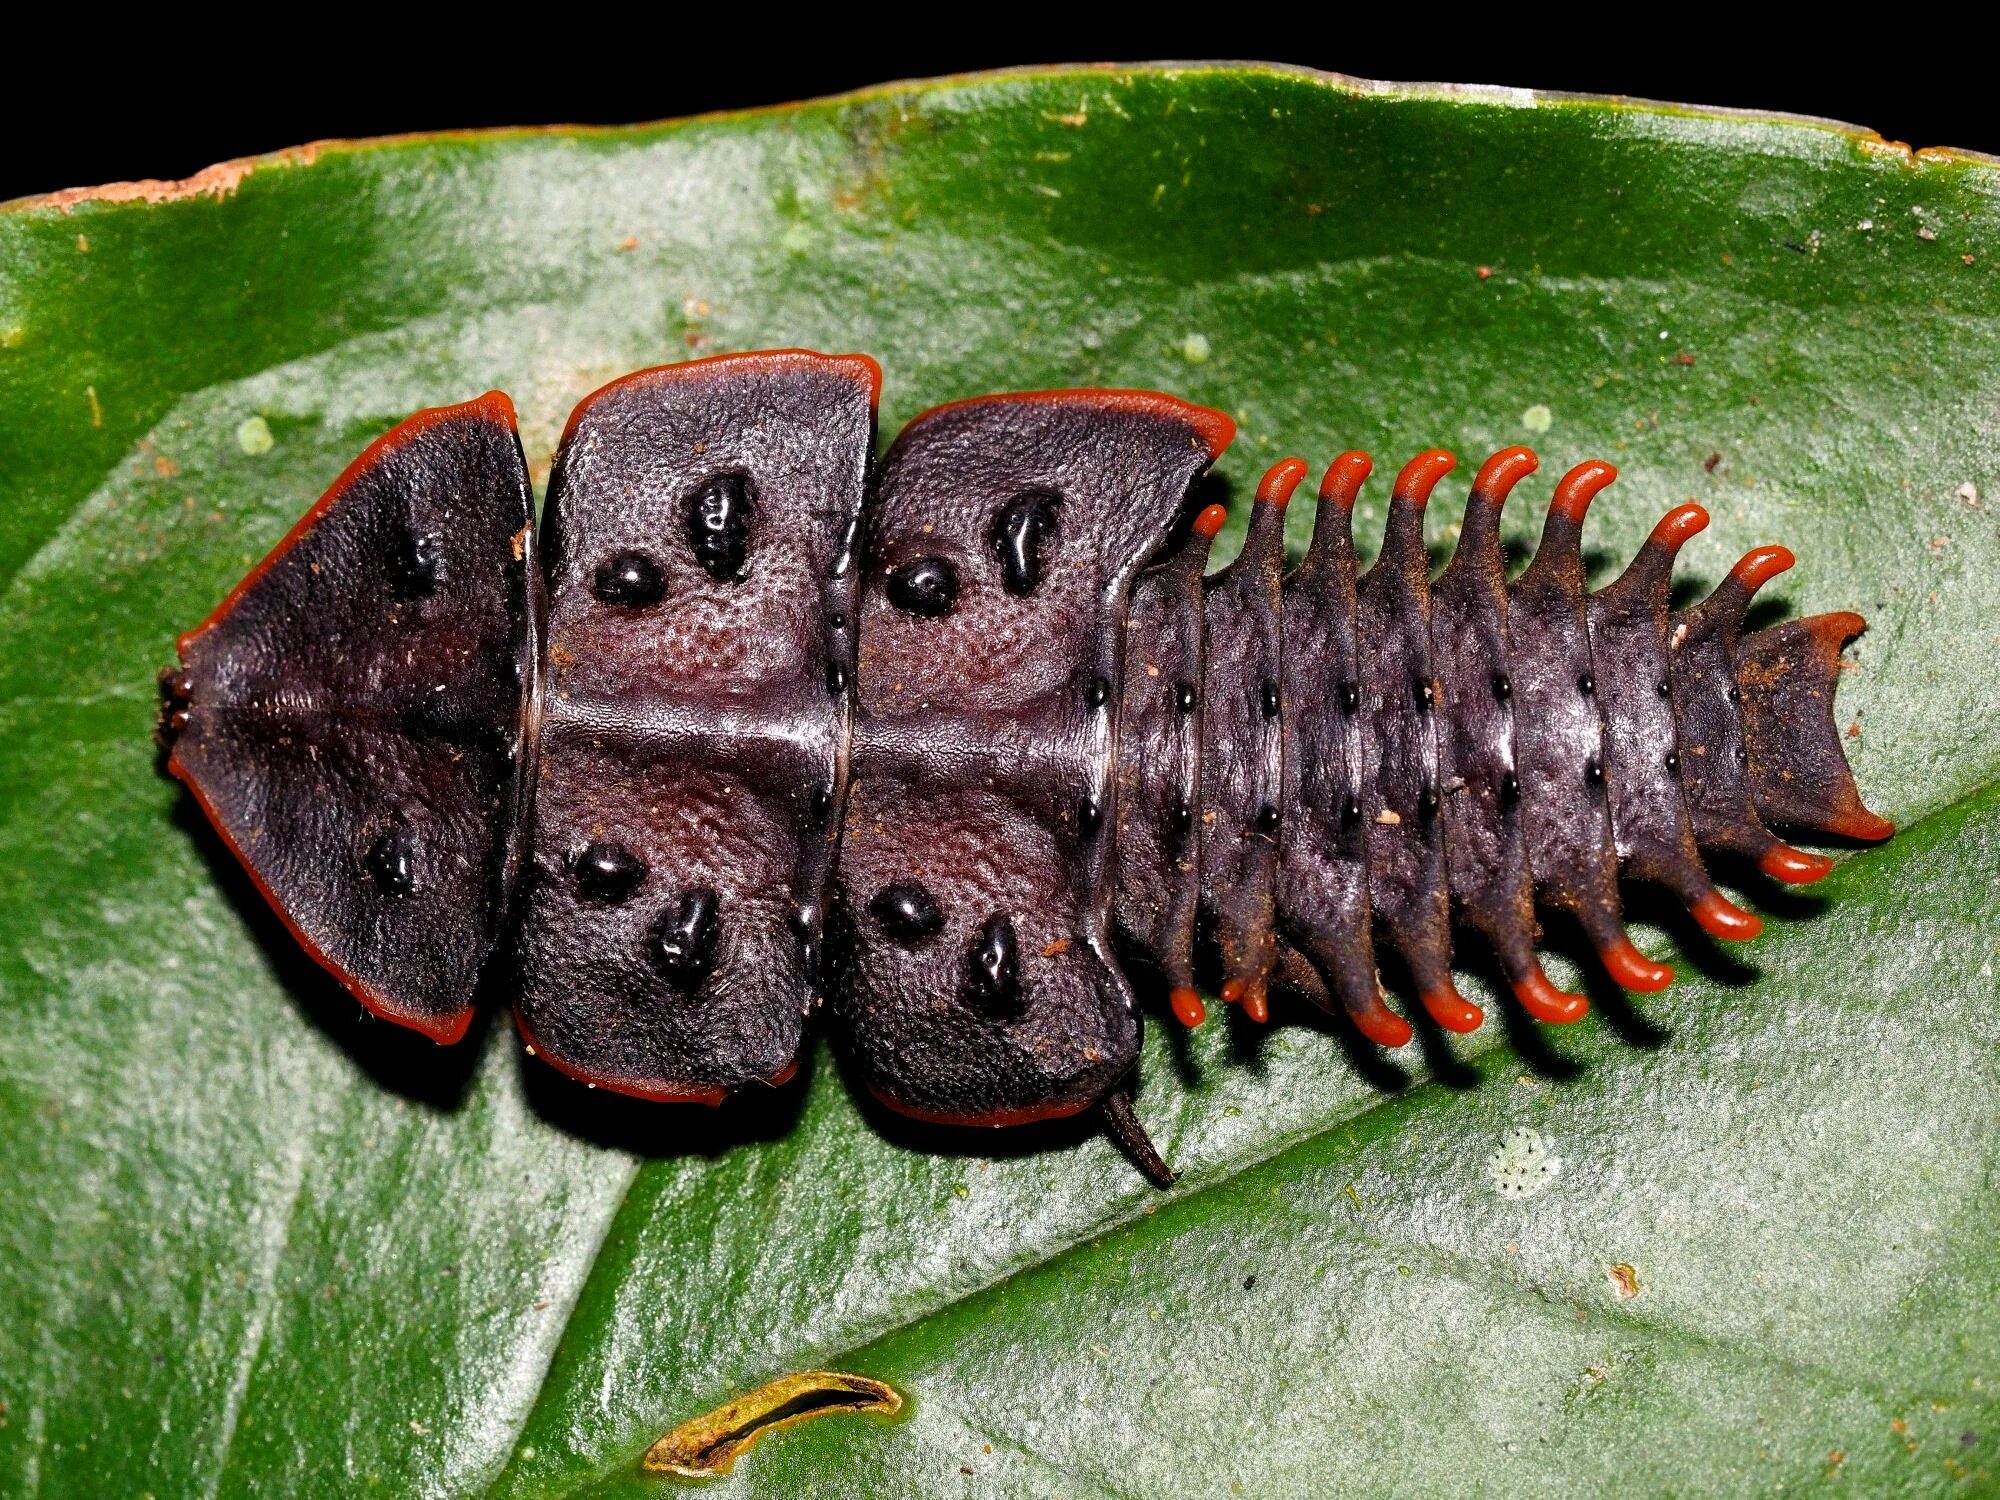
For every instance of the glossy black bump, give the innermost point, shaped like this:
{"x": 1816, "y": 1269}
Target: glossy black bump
{"x": 1427, "y": 804}
{"x": 926, "y": 587}
{"x": 718, "y": 525}
{"x": 993, "y": 967}
{"x": 684, "y": 939}
{"x": 1185, "y": 697}
{"x": 1267, "y": 819}
{"x": 1087, "y": 817}
{"x": 1735, "y": 693}
{"x": 1510, "y": 789}
{"x": 1593, "y": 771}
{"x": 1350, "y": 698}
{"x": 906, "y": 912}
{"x": 1674, "y": 761}
{"x": 1350, "y": 811}
{"x": 1183, "y": 815}
{"x": 1424, "y": 693}
{"x": 413, "y": 565}
{"x": 1586, "y": 685}
{"x": 1019, "y": 531}
{"x": 1502, "y": 688}
{"x": 607, "y": 871}
{"x": 1270, "y": 700}
{"x": 1666, "y": 688}
{"x": 836, "y": 677}
{"x": 392, "y": 862}
{"x": 1098, "y": 693}
{"x": 819, "y": 802}
{"x": 629, "y": 580}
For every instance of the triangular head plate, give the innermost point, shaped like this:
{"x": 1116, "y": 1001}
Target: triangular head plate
{"x": 351, "y": 717}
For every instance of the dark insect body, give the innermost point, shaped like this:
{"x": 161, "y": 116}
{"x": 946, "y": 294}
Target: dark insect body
{"x": 752, "y": 728}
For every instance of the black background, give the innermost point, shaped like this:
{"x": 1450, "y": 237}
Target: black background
{"x": 168, "y": 105}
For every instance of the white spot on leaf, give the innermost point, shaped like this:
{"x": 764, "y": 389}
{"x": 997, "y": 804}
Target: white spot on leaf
{"x": 1523, "y": 1165}
{"x": 253, "y": 436}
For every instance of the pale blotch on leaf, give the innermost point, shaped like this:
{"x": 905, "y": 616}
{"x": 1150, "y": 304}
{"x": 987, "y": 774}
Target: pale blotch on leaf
{"x": 1538, "y": 418}
{"x": 1523, "y": 1165}
{"x": 1194, "y": 349}
{"x": 253, "y": 436}
{"x": 710, "y": 1444}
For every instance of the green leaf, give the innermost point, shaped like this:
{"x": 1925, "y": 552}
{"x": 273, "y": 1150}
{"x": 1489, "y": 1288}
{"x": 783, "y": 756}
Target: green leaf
{"x": 254, "y": 1243}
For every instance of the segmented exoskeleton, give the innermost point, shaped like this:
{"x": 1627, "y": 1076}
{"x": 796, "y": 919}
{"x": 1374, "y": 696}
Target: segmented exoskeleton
{"x": 750, "y": 730}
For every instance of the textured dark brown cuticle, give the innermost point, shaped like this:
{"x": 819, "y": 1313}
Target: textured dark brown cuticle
{"x": 743, "y": 732}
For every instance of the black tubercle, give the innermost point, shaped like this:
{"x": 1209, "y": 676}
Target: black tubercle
{"x": 629, "y": 580}
{"x": 413, "y": 565}
{"x": 392, "y": 862}
{"x": 607, "y": 871}
{"x": 926, "y": 587}
{"x": 1019, "y": 531}
{"x": 906, "y": 912}
{"x": 993, "y": 967}
{"x": 684, "y": 939}
{"x": 719, "y": 515}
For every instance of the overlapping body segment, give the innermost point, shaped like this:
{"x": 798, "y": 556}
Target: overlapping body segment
{"x": 698, "y": 549}
{"x": 949, "y": 747}
{"x": 978, "y": 983}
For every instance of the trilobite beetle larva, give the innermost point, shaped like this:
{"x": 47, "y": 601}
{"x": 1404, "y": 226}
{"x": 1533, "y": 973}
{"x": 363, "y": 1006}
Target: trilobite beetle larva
{"x": 746, "y": 727}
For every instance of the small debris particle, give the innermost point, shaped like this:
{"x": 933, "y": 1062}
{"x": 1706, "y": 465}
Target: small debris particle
{"x": 1927, "y": 233}
{"x": 1711, "y": 461}
{"x": 1625, "y": 1280}
{"x": 1854, "y": 730}
{"x": 1683, "y": 358}
{"x": 1834, "y": 1459}
{"x": 1195, "y": 349}
{"x": 83, "y": 243}
{"x": 1538, "y": 418}
{"x": 165, "y": 467}
{"x": 630, "y": 242}
{"x": 1939, "y": 543}
{"x": 1865, "y": 225}
{"x": 1484, "y": 272}
{"x": 253, "y": 436}
{"x": 1967, "y": 493}
{"x": 418, "y": 1428}
{"x": 965, "y": 1468}
{"x": 1523, "y": 1164}
{"x": 1966, "y": 258}
{"x": 1058, "y": 947}
{"x": 1250, "y": 1282}
{"x": 1388, "y": 817}
{"x": 96, "y": 411}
